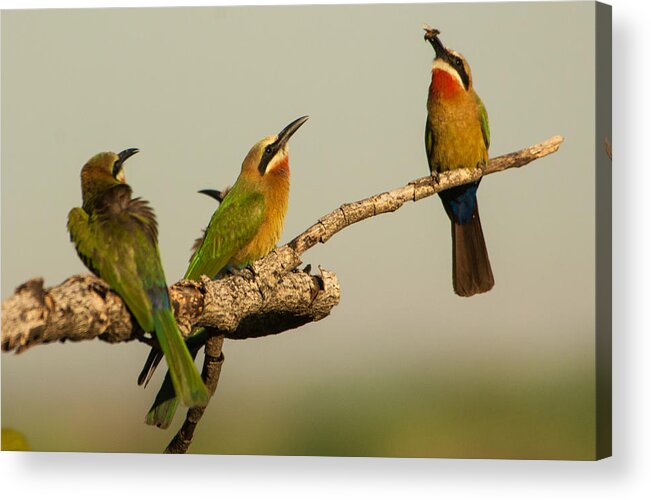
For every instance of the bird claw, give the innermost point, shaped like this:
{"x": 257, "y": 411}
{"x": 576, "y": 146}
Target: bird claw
{"x": 436, "y": 176}
{"x": 241, "y": 273}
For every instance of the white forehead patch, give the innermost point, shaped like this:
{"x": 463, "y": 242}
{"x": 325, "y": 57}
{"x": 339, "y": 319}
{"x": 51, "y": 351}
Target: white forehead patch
{"x": 444, "y": 66}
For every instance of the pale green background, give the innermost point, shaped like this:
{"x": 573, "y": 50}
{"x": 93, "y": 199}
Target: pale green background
{"x": 402, "y": 367}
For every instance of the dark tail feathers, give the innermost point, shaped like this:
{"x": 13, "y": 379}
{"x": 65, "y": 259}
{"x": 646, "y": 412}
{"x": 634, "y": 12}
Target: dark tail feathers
{"x": 471, "y": 269}
{"x": 154, "y": 358}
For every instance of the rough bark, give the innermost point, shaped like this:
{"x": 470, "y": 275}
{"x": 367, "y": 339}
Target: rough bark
{"x": 269, "y": 298}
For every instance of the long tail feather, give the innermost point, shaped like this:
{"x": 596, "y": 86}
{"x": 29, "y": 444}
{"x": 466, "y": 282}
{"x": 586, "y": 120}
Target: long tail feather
{"x": 186, "y": 379}
{"x": 153, "y": 359}
{"x": 162, "y": 410}
{"x": 471, "y": 269}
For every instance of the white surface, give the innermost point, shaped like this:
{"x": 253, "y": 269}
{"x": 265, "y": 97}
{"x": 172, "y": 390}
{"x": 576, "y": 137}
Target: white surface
{"x": 623, "y": 476}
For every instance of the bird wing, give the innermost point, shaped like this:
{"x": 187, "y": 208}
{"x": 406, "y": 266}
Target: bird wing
{"x": 118, "y": 243}
{"x": 430, "y": 142}
{"x": 82, "y": 237}
{"x": 483, "y": 117}
{"x": 233, "y": 225}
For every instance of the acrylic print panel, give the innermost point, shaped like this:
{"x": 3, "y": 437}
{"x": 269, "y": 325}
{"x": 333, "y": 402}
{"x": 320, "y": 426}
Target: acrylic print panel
{"x": 402, "y": 366}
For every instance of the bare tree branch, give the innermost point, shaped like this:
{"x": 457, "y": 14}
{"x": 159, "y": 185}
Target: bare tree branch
{"x": 244, "y": 306}
{"x": 269, "y": 298}
{"x": 350, "y": 213}
{"x": 212, "y": 367}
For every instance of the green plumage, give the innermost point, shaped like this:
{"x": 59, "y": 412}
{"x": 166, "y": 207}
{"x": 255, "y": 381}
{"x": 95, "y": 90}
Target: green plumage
{"x": 483, "y": 117}
{"x": 164, "y": 407}
{"x": 116, "y": 237}
{"x": 108, "y": 244}
{"x": 233, "y": 225}
{"x": 245, "y": 227}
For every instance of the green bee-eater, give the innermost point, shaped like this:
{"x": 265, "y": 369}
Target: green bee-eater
{"x": 457, "y": 136}
{"x": 245, "y": 227}
{"x": 247, "y": 224}
{"x": 116, "y": 237}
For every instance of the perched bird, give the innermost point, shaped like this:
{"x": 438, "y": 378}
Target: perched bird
{"x": 457, "y": 136}
{"x": 116, "y": 237}
{"x": 245, "y": 227}
{"x": 247, "y": 224}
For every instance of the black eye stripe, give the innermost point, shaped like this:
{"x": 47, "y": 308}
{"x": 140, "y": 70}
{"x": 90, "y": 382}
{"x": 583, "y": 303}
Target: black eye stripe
{"x": 117, "y": 166}
{"x": 457, "y": 63}
{"x": 269, "y": 152}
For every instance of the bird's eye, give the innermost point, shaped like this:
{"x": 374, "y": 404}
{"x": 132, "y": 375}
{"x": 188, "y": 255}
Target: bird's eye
{"x": 458, "y": 61}
{"x": 267, "y": 150}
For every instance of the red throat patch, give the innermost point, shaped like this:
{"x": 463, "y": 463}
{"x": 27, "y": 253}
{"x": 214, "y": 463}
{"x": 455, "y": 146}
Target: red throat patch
{"x": 281, "y": 167}
{"x": 444, "y": 84}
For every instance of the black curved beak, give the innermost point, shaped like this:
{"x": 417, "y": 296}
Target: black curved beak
{"x": 289, "y": 131}
{"x": 127, "y": 153}
{"x": 122, "y": 157}
{"x": 431, "y": 35}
